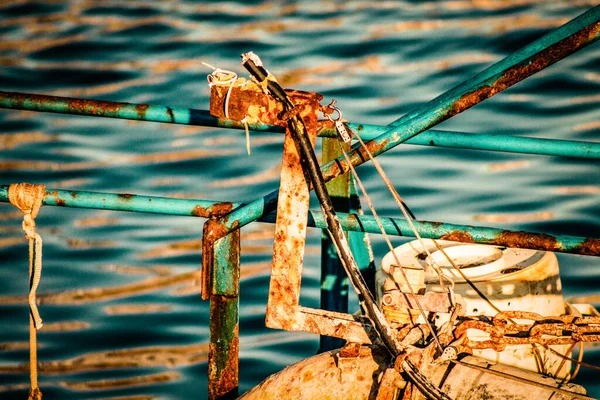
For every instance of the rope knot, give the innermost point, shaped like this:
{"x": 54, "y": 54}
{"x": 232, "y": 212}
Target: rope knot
{"x": 28, "y": 198}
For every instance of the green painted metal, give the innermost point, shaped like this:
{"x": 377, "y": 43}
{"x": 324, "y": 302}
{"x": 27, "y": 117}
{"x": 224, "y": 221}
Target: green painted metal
{"x": 223, "y": 356}
{"x": 350, "y": 222}
{"x": 189, "y": 116}
{"x": 360, "y": 243}
{"x": 119, "y": 110}
{"x": 226, "y": 266}
{"x": 130, "y": 202}
{"x": 556, "y": 45}
{"x": 223, "y": 353}
{"x": 552, "y": 47}
{"x": 491, "y": 142}
{"x": 334, "y": 282}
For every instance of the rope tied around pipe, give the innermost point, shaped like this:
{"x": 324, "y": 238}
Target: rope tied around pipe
{"x": 28, "y": 198}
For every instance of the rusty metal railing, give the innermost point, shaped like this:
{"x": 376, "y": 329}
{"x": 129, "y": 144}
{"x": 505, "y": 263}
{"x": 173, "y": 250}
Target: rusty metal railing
{"x": 221, "y": 242}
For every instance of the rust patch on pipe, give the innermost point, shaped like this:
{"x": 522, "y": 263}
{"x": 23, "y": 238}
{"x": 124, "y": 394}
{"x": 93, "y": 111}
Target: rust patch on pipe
{"x": 200, "y": 211}
{"x": 223, "y": 349}
{"x": 376, "y": 147}
{"x": 589, "y": 247}
{"x": 247, "y": 100}
{"x": 60, "y": 202}
{"x": 94, "y": 107}
{"x": 125, "y": 196}
{"x": 141, "y": 110}
{"x": 458, "y": 236}
{"x": 519, "y": 72}
{"x": 524, "y": 240}
{"x": 221, "y": 209}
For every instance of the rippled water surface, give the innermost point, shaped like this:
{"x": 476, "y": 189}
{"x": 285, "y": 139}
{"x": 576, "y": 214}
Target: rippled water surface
{"x": 120, "y": 291}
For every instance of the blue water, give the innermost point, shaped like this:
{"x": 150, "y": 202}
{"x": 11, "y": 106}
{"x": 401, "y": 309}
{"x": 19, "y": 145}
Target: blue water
{"x": 379, "y": 60}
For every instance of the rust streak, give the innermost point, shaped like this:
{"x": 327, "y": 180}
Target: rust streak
{"x": 524, "y": 240}
{"x": 125, "y": 196}
{"x": 94, "y": 107}
{"x": 458, "y": 236}
{"x": 141, "y": 110}
{"x": 519, "y": 72}
{"x": 590, "y": 247}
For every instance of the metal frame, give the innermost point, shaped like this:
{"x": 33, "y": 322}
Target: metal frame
{"x": 221, "y": 234}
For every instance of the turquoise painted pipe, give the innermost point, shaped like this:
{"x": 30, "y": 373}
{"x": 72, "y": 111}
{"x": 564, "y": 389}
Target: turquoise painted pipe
{"x": 189, "y": 116}
{"x": 350, "y": 222}
{"x": 119, "y": 110}
{"x": 556, "y": 45}
{"x": 532, "y": 58}
{"x": 503, "y": 143}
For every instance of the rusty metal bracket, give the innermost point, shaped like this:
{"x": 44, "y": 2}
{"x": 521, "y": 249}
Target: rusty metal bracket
{"x": 347, "y": 361}
{"x": 247, "y": 99}
{"x": 220, "y": 283}
{"x": 390, "y": 385}
{"x": 303, "y": 139}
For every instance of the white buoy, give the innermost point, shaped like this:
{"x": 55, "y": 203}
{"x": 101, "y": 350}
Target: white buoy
{"x": 511, "y": 279}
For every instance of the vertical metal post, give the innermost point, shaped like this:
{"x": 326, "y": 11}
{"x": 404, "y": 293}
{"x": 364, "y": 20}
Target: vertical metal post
{"x": 223, "y": 356}
{"x": 334, "y": 282}
{"x": 360, "y": 243}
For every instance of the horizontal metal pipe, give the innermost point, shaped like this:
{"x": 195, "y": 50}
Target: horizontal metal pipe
{"x": 120, "y": 110}
{"x": 552, "y": 47}
{"x": 556, "y": 45}
{"x": 189, "y": 116}
{"x": 503, "y": 143}
{"x": 350, "y": 222}
{"x": 131, "y": 202}
{"x": 532, "y": 58}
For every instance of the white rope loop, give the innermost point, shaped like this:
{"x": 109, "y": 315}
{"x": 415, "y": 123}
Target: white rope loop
{"x": 222, "y": 77}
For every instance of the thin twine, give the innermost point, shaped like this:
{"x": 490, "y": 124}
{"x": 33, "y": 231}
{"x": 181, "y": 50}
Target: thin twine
{"x": 28, "y": 198}
{"x": 402, "y": 207}
{"x": 387, "y": 239}
{"x": 400, "y": 203}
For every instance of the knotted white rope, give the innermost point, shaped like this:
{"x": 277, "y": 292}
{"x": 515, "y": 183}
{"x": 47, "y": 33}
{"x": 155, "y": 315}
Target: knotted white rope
{"x": 28, "y": 198}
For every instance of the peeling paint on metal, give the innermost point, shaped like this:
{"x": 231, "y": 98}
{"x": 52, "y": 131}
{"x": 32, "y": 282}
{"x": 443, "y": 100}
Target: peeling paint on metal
{"x": 141, "y": 110}
{"x": 590, "y": 247}
{"x": 458, "y": 236}
{"x": 526, "y": 240}
{"x": 215, "y": 210}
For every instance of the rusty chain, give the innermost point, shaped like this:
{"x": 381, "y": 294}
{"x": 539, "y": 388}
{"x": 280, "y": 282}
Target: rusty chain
{"x": 548, "y": 331}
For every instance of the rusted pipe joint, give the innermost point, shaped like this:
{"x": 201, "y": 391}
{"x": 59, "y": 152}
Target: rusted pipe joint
{"x": 247, "y": 101}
